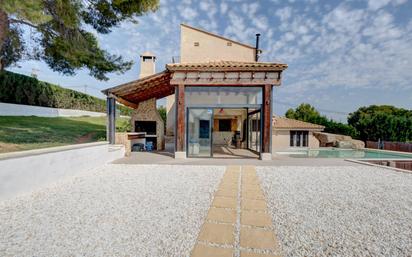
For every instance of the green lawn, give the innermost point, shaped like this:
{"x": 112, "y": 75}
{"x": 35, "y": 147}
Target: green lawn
{"x": 19, "y": 133}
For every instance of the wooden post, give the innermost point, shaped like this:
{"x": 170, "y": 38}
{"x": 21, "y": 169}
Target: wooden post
{"x": 267, "y": 119}
{"x": 111, "y": 119}
{"x": 180, "y": 118}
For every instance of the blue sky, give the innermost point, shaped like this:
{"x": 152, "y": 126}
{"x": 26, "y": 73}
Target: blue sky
{"x": 341, "y": 54}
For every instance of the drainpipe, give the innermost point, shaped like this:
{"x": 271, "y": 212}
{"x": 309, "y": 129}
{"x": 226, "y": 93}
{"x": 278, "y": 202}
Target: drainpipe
{"x": 257, "y": 48}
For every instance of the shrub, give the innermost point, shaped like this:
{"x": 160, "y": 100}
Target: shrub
{"x": 20, "y": 89}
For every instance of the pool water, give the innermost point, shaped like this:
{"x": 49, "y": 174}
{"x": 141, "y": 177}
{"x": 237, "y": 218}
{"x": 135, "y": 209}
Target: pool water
{"x": 345, "y": 153}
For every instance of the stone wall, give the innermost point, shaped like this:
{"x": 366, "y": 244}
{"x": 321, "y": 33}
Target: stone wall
{"x": 147, "y": 111}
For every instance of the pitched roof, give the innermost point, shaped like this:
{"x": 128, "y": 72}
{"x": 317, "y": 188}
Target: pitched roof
{"x": 156, "y": 85}
{"x": 286, "y": 123}
{"x": 218, "y": 36}
{"x": 227, "y": 66}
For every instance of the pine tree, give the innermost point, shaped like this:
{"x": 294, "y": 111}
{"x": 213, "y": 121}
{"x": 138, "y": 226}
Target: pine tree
{"x": 60, "y": 38}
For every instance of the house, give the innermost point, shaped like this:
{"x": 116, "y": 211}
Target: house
{"x": 294, "y": 133}
{"x": 218, "y": 99}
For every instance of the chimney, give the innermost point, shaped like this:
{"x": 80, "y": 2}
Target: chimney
{"x": 147, "y": 64}
{"x": 257, "y": 50}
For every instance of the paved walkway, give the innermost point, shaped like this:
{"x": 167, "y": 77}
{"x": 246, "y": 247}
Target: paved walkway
{"x": 238, "y": 223}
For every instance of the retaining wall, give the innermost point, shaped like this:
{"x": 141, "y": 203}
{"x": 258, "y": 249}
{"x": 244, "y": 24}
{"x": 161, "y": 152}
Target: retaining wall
{"x": 22, "y": 172}
{"x": 7, "y": 109}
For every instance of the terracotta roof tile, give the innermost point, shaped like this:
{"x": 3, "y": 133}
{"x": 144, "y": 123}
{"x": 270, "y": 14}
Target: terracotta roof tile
{"x": 286, "y": 123}
{"x": 228, "y": 65}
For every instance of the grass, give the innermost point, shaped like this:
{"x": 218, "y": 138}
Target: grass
{"x": 19, "y": 133}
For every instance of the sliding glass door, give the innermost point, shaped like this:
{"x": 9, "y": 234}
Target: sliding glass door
{"x": 199, "y": 132}
{"x": 254, "y": 131}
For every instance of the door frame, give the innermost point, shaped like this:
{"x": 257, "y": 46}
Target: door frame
{"x": 258, "y": 110}
{"x": 210, "y": 131}
{"x": 257, "y": 107}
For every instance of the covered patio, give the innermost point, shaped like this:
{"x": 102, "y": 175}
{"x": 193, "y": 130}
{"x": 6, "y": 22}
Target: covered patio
{"x": 201, "y": 88}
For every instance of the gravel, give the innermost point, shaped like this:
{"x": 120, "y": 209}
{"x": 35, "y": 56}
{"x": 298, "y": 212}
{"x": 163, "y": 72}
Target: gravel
{"x": 117, "y": 210}
{"x": 340, "y": 211}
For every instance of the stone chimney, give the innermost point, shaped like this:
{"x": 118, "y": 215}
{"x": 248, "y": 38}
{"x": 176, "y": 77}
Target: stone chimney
{"x": 147, "y": 64}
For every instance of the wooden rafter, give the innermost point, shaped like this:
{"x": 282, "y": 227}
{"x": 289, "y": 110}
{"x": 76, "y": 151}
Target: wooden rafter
{"x": 124, "y": 101}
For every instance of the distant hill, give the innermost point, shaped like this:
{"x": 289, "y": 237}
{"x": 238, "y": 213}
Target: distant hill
{"x": 21, "y": 89}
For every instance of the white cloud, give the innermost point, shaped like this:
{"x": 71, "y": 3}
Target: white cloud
{"x": 377, "y": 4}
{"x": 188, "y": 13}
{"x": 223, "y": 7}
{"x": 399, "y": 2}
{"x": 284, "y": 13}
{"x": 237, "y": 27}
{"x": 344, "y": 19}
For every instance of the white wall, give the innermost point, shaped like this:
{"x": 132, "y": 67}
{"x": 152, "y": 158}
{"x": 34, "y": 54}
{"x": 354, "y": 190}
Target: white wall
{"x": 22, "y": 172}
{"x": 211, "y": 48}
{"x": 7, "y": 109}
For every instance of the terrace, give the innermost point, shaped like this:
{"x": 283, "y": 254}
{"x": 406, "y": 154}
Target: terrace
{"x": 277, "y": 208}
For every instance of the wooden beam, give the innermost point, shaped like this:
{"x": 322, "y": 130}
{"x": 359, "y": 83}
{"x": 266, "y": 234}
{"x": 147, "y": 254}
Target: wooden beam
{"x": 124, "y": 101}
{"x": 157, "y": 93}
{"x": 180, "y": 118}
{"x": 144, "y": 86}
{"x": 267, "y": 119}
{"x": 226, "y": 82}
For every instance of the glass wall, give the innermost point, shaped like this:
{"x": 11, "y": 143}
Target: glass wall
{"x": 202, "y": 96}
{"x": 199, "y": 128}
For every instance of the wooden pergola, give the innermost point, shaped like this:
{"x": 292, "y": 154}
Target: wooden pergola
{"x": 177, "y": 76}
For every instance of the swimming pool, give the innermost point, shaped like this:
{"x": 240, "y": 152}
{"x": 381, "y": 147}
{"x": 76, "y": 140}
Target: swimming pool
{"x": 344, "y": 153}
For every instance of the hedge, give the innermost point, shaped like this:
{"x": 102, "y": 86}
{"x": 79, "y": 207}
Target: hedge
{"x": 20, "y": 89}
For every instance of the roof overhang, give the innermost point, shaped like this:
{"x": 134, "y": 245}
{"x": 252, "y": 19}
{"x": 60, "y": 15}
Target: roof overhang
{"x": 223, "y": 73}
{"x": 131, "y": 93}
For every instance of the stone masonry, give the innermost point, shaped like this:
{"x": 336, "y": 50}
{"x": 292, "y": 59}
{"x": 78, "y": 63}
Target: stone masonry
{"x": 147, "y": 111}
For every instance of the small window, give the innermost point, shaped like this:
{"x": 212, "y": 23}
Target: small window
{"x": 225, "y": 125}
{"x": 146, "y": 58}
{"x": 229, "y": 43}
{"x": 299, "y": 138}
{"x": 196, "y": 43}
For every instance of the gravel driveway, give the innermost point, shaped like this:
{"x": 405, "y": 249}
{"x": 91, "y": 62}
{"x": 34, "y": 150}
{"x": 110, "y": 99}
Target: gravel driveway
{"x": 340, "y": 211}
{"x": 118, "y": 210}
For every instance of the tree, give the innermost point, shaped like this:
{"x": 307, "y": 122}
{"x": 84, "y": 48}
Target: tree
{"x": 304, "y": 112}
{"x": 308, "y": 113}
{"x": 60, "y": 37}
{"x": 163, "y": 113}
{"x": 383, "y": 122}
